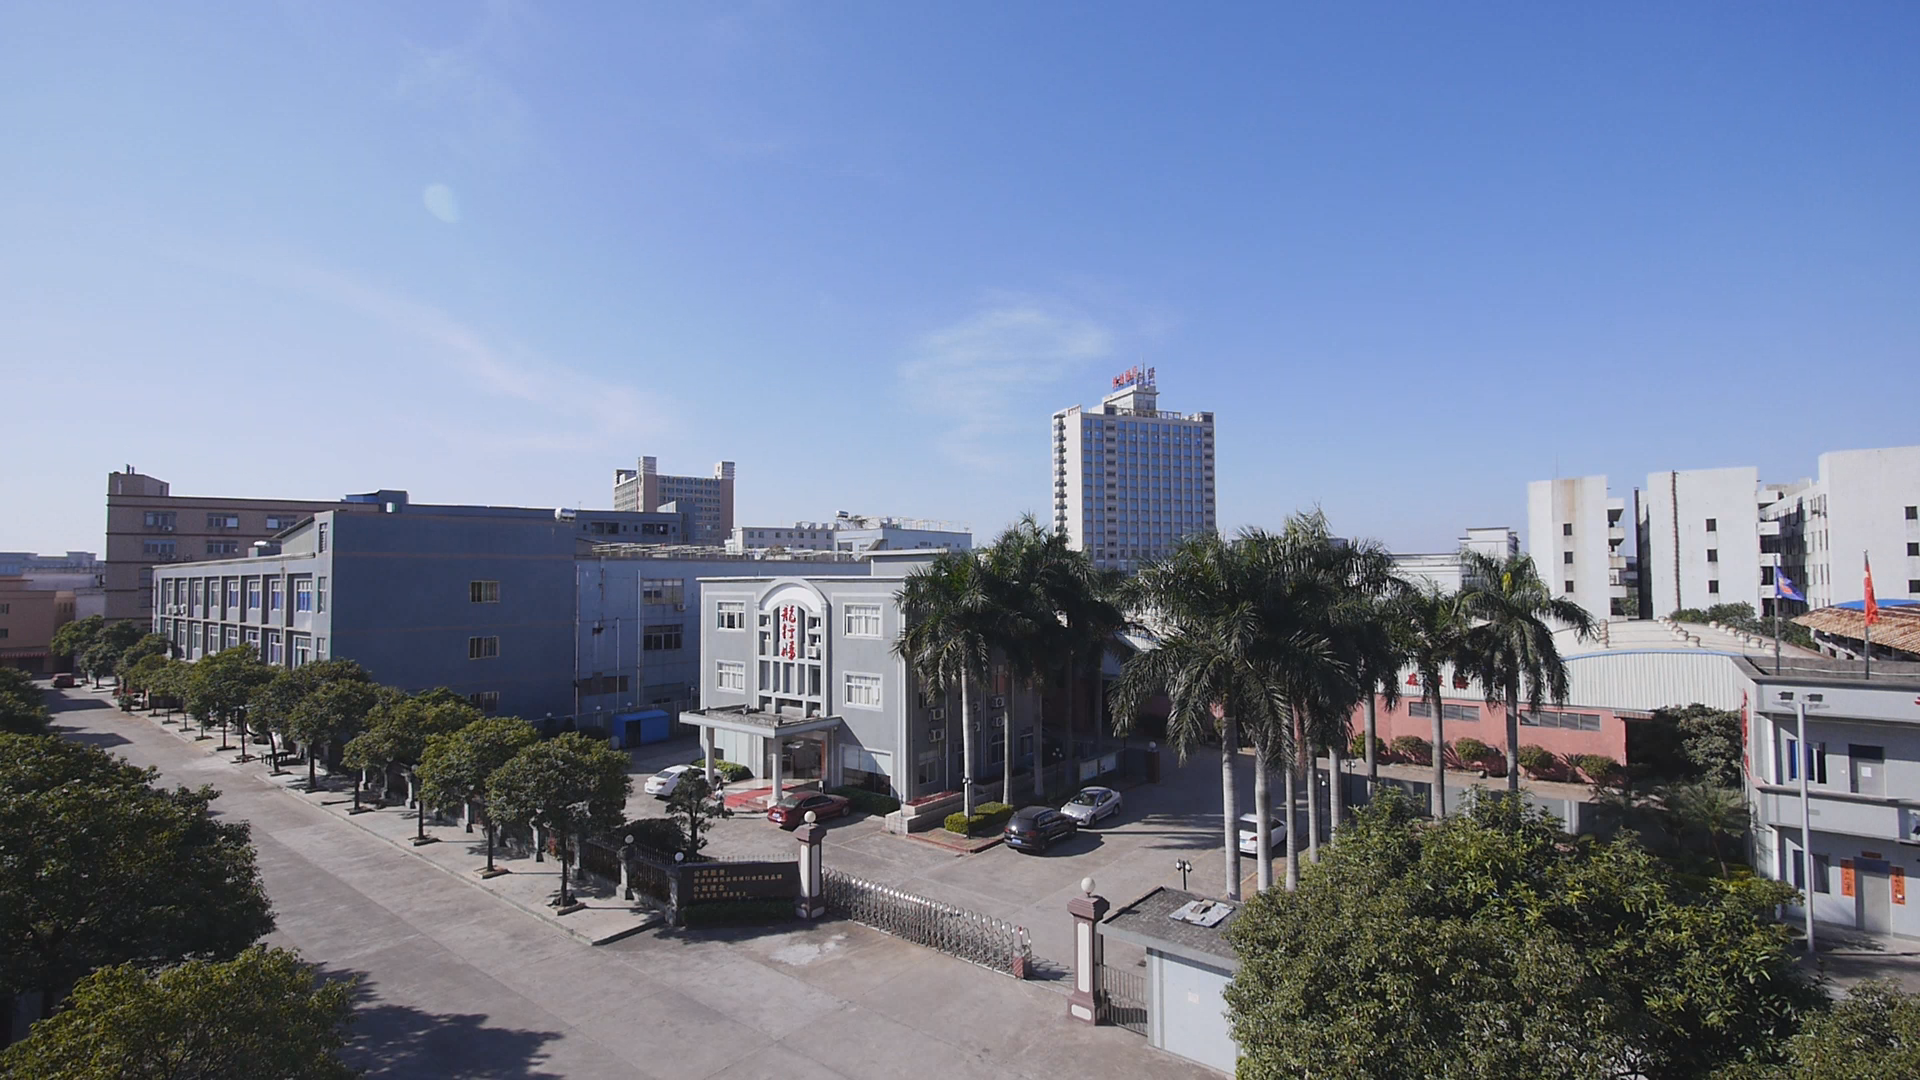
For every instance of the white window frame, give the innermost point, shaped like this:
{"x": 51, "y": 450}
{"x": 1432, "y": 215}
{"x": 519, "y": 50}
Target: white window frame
{"x": 730, "y": 615}
{"x": 730, "y": 675}
{"x": 868, "y": 615}
{"x": 853, "y": 700}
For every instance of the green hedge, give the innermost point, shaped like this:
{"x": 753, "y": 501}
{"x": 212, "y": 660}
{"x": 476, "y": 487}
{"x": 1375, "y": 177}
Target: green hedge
{"x": 1413, "y": 748}
{"x": 1536, "y": 758}
{"x": 1471, "y": 751}
{"x": 737, "y": 913}
{"x": 1599, "y": 767}
{"x": 730, "y": 771}
{"x": 871, "y": 802}
{"x": 987, "y": 819}
{"x": 1357, "y": 746}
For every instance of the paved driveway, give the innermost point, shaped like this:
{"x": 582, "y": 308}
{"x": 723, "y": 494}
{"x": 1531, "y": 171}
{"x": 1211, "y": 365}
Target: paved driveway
{"x": 456, "y": 983}
{"x": 1126, "y": 856}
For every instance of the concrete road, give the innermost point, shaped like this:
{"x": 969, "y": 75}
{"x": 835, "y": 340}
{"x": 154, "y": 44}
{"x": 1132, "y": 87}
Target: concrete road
{"x": 456, "y": 983}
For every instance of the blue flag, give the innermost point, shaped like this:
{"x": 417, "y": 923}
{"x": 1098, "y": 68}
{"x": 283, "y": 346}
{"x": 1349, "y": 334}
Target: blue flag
{"x": 1783, "y": 586}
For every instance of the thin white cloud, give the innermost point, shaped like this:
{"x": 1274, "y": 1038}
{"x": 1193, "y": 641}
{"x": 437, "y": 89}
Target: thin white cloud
{"x": 467, "y": 81}
{"x": 980, "y": 375}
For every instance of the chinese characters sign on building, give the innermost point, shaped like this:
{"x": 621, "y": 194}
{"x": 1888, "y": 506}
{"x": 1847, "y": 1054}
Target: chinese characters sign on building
{"x": 793, "y": 621}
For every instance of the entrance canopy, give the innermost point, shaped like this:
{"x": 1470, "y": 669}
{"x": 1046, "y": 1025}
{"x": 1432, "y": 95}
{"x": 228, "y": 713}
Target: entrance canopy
{"x": 749, "y": 721}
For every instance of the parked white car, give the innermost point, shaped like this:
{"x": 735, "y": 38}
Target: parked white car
{"x": 1092, "y": 804}
{"x": 1250, "y": 833}
{"x": 661, "y": 784}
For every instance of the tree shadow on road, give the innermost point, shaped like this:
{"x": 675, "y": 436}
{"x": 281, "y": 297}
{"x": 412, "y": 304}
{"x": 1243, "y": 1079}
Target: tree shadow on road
{"x": 98, "y": 739}
{"x": 397, "y": 1042}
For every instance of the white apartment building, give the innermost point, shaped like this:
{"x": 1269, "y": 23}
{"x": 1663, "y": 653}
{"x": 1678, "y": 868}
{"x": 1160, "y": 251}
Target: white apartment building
{"x": 854, "y": 533}
{"x": 1577, "y": 536}
{"x": 1864, "y": 503}
{"x": 1700, "y": 542}
{"x": 1130, "y": 480}
{"x": 1444, "y": 568}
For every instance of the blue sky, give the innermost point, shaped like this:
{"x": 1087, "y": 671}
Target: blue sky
{"x": 1412, "y": 256}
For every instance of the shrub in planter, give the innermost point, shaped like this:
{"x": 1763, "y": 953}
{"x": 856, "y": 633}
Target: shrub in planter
{"x": 1537, "y": 760}
{"x": 988, "y": 818}
{"x": 1471, "y": 751}
{"x": 1357, "y": 747}
{"x": 658, "y": 834}
{"x": 730, "y": 771}
{"x": 1413, "y": 748}
{"x": 1599, "y": 767}
{"x": 871, "y": 802}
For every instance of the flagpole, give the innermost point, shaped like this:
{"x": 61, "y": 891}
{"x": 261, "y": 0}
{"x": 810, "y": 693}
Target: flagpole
{"x": 1777, "y": 600}
{"x": 1867, "y": 613}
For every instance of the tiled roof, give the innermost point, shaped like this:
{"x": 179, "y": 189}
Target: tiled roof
{"x": 1146, "y": 922}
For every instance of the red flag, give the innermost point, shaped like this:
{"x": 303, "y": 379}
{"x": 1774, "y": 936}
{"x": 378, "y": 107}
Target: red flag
{"x": 1873, "y": 609}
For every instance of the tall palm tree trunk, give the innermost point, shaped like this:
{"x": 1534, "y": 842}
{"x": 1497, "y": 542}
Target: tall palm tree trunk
{"x": 1262, "y": 811}
{"x": 966, "y": 747}
{"x": 1310, "y": 769}
{"x": 1006, "y": 749}
{"x": 1230, "y": 802}
{"x": 1373, "y": 762}
{"x": 1513, "y": 737}
{"x": 1437, "y": 802}
{"x": 1336, "y": 783}
{"x": 1291, "y": 794}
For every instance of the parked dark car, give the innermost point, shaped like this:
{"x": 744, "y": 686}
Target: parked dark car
{"x": 1036, "y": 828}
{"x": 62, "y": 681}
{"x": 792, "y": 809}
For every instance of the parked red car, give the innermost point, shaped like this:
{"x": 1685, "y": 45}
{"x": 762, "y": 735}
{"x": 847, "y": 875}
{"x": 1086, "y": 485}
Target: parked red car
{"x": 792, "y": 809}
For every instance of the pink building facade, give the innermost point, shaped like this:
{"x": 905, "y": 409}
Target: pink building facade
{"x": 1567, "y": 731}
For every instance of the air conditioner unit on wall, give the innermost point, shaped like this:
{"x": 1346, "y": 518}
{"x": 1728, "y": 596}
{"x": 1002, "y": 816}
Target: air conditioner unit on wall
{"x": 937, "y": 715}
{"x": 937, "y": 735}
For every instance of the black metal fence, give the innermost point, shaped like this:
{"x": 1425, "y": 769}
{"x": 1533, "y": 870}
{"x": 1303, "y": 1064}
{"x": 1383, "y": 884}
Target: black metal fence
{"x": 978, "y": 939}
{"x": 1122, "y": 1000}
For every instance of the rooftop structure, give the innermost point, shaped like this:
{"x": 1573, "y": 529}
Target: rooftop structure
{"x": 854, "y": 533}
{"x": 706, "y": 500}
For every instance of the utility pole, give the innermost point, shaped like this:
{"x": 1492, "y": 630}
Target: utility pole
{"x": 1806, "y": 821}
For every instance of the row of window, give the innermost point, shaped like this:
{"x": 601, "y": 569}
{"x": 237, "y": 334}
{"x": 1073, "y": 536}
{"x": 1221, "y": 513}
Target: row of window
{"x": 857, "y": 620}
{"x": 167, "y": 519}
{"x": 203, "y": 596}
{"x": 196, "y": 642}
{"x": 1447, "y": 712}
{"x": 860, "y": 690}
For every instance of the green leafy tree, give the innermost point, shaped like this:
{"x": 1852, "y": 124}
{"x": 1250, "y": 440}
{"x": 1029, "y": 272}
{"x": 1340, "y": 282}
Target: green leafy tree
{"x": 72, "y": 640}
{"x": 261, "y": 1014}
{"x": 1491, "y": 945}
{"x": 396, "y": 733}
{"x": 1510, "y": 649}
{"x": 145, "y": 677}
{"x": 455, "y": 766}
{"x": 274, "y": 702}
{"x": 570, "y": 786}
{"x": 147, "y": 645}
{"x": 1702, "y": 814}
{"x": 99, "y": 867}
{"x": 22, "y": 708}
{"x": 170, "y": 683}
{"x": 1872, "y": 1034}
{"x": 333, "y": 713}
{"x": 220, "y": 687}
{"x": 950, "y": 621}
{"x": 103, "y": 652}
{"x": 693, "y": 807}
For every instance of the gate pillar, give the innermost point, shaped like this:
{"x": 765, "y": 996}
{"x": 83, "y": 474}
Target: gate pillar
{"x": 1087, "y": 911}
{"x": 812, "y": 901}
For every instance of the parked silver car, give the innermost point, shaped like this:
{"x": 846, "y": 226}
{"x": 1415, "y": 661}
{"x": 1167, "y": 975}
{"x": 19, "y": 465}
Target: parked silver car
{"x": 1091, "y": 804}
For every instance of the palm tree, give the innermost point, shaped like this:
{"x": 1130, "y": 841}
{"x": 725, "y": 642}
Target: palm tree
{"x": 1380, "y": 673}
{"x": 1510, "y": 648}
{"x": 947, "y": 609}
{"x": 1209, "y": 664}
{"x": 1024, "y": 629}
{"x": 1064, "y": 615}
{"x": 1434, "y": 625}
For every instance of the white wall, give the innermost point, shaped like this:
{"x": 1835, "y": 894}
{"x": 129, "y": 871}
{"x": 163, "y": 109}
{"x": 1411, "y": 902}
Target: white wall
{"x": 1683, "y": 577}
{"x": 1868, "y": 492}
{"x": 1582, "y": 502}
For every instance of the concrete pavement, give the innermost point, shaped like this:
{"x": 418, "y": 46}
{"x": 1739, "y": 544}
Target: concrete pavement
{"x": 456, "y": 983}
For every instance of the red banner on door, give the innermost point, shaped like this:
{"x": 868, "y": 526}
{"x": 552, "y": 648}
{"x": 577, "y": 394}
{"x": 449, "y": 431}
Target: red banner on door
{"x": 1846, "y": 877}
{"x": 1898, "y": 878}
